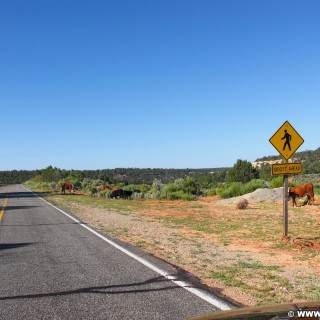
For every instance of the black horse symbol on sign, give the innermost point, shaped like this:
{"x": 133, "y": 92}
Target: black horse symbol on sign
{"x": 287, "y": 137}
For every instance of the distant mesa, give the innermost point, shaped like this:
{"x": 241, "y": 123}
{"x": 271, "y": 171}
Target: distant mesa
{"x": 259, "y": 164}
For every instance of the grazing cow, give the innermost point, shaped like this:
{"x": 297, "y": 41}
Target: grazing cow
{"x": 109, "y": 188}
{"x": 301, "y": 191}
{"x": 67, "y": 186}
{"x": 126, "y": 194}
{"x": 116, "y": 193}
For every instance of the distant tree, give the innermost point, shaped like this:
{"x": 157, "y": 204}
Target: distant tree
{"x": 15, "y": 176}
{"x": 242, "y": 171}
{"x": 47, "y": 174}
{"x": 51, "y": 174}
{"x": 265, "y": 172}
{"x": 103, "y": 177}
{"x": 75, "y": 177}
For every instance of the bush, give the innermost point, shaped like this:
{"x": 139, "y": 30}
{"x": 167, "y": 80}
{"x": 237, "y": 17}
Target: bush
{"x": 211, "y": 192}
{"x": 144, "y": 188}
{"x": 254, "y": 185}
{"x": 130, "y": 187}
{"x": 43, "y": 186}
{"x": 235, "y": 189}
{"x": 185, "y": 189}
{"x": 188, "y": 197}
{"x": 243, "y": 204}
{"x": 189, "y": 185}
{"x": 105, "y": 193}
{"x": 90, "y": 190}
{"x": 157, "y": 187}
{"x": 277, "y": 182}
{"x": 170, "y": 188}
{"x": 93, "y": 191}
{"x": 140, "y": 195}
{"x": 316, "y": 189}
{"x": 178, "y": 195}
{"x": 171, "y": 195}
{"x": 170, "y": 192}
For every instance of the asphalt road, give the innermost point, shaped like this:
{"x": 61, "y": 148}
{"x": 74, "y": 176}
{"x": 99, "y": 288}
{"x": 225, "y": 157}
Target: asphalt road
{"x": 54, "y": 267}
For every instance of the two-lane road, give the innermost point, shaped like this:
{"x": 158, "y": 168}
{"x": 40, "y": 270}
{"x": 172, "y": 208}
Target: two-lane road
{"x": 54, "y": 267}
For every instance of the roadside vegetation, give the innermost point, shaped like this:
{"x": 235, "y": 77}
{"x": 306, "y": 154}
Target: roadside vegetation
{"x": 241, "y": 179}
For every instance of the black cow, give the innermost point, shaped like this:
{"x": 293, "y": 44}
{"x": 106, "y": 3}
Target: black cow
{"x": 126, "y": 194}
{"x": 116, "y": 193}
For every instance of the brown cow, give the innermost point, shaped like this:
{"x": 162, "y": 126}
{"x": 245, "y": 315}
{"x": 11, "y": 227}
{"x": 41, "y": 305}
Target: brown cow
{"x": 109, "y": 188}
{"x": 301, "y": 191}
{"x": 67, "y": 186}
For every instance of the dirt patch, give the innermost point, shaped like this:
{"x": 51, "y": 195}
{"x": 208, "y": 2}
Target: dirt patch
{"x": 240, "y": 252}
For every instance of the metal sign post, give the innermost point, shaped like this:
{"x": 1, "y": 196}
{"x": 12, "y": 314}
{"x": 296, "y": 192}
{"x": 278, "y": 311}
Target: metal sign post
{"x": 285, "y": 206}
{"x": 286, "y": 140}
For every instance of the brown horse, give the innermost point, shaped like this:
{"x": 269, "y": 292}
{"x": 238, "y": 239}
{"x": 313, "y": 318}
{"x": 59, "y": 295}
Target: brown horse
{"x": 67, "y": 186}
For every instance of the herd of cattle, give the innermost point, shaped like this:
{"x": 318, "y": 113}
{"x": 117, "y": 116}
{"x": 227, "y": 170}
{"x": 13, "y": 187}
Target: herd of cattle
{"x": 115, "y": 191}
{"x": 294, "y": 192}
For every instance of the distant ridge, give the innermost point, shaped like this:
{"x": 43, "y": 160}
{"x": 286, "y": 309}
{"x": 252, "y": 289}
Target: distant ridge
{"x": 303, "y": 155}
{"x": 310, "y": 160}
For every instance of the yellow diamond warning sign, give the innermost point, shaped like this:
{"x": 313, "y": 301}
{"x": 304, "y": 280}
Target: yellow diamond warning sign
{"x": 286, "y": 140}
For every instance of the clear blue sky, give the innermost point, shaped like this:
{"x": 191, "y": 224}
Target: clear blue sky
{"x": 155, "y": 83}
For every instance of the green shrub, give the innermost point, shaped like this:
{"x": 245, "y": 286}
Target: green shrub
{"x": 235, "y": 189}
{"x": 105, "y": 193}
{"x": 185, "y": 189}
{"x": 130, "y": 187}
{"x": 211, "y": 192}
{"x": 316, "y": 189}
{"x": 254, "y": 185}
{"x": 188, "y": 197}
{"x": 156, "y": 189}
{"x": 144, "y": 188}
{"x": 170, "y": 188}
{"x": 189, "y": 185}
{"x": 90, "y": 190}
{"x": 277, "y": 182}
{"x": 141, "y": 195}
{"x": 169, "y": 191}
{"x": 171, "y": 195}
{"x": 38, "y": 185}
{"x": 178, "y": 195}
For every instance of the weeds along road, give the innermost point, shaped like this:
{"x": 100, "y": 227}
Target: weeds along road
{"x": 54, "y": 267}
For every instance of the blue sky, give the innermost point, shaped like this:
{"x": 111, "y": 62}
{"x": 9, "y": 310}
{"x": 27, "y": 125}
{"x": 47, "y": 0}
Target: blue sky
{"x": 155, "y": 83}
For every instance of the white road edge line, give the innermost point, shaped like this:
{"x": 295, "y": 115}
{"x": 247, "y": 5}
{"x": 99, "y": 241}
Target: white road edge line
{"x": 215, "y": 301}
